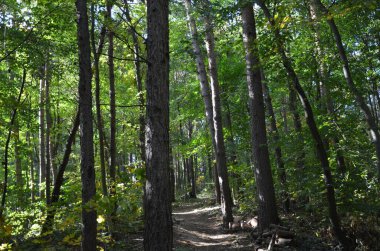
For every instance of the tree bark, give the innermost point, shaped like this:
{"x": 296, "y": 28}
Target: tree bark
{"x": 260, "y": 154}
{"x": 42, "y": 173}
{"x": 221, "y": 160}
{"x": 111, "y": 76}
{"x": 86, "y": 132}
{"x": 204, "y": 84}
{"x": 190, "y": 166}
{"x": 96, "y": 53}
{"x": 374, "y": 130}
{"x": 322, "y": 154}
{"x": 47, "y": 137}
{"x": 59, "y": 180}
{"x": 139, "y": 82}
{"x": 158, "y": 230}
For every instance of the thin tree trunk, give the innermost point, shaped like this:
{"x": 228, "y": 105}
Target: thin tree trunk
{"x": 322, "y": 154}
{"x": 6, "y": 150}
{"x": 18, "y": 166}
{"x": 191, "y": 165}
{"x": 202, "y": 76}
{"x": 374, "y": 130}
{"x": 86, "y": 135}
{"x": 139, "y": 82}
{"x": 158, "y": 228}
{"x": 260, "y": 154}
{"x": 42, "y": 173}
{"x": 47, "y": 137}
{"x": 31, "y": 166}
{"x": 111, "y": 76}
{"x": 59, "y": 180}
{"x": 276, "y": 142}
{"x": 221, "y": 160}
{"x": 96, "y": 53}
{"x": 325, "y": 91}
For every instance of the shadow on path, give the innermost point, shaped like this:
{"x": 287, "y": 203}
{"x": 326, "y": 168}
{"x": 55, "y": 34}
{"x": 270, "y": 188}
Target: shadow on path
{"x": 197, "y": 226}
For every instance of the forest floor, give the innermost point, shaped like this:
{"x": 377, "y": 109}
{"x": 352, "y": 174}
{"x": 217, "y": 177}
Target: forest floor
{"x": 198, "y": 226}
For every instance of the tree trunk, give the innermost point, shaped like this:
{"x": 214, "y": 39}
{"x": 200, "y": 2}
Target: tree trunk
{"x": 139, "y": 82}
{"x": 111, "y": 76}
{"x": 202, "y": 76}
{"x": 221, "y": 161}
{"x": 31, "y": 166}
{"x": 191, "y": 165}
{"x": 158, "y": 229}
{"x": 276, "y": 142}
{"x": 327, "y": 102}
{"x": 96, "y": 53}
{"x": 260, "y": 154}
{"x": 59, "y": 180}
{"x": 86, "y": 132}
{"x": 6, "y": 149}
{"x": 374, "y": 130}
{"x": 18, "y": 166}
{"x": 322, "y": 154}
{"x": 47, "y": 136}
{"x": 42, "y": 173}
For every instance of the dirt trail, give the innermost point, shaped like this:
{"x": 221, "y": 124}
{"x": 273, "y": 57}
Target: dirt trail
{"x": 197, "y": 226}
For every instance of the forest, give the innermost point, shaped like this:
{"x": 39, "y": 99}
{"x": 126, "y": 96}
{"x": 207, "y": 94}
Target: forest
{"x": 190, "y": 125}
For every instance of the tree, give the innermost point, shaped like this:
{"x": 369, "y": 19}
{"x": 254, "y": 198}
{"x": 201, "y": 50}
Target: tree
{"x": 220, "y": 151}
{"x": 86, "y": 132}
{"x": 374, "y": 130}
{"x": 260, "y": 154}
{"x": 211, "y": 101}
{"x": 322, "y": 154}
{"x": 158, "y": 230}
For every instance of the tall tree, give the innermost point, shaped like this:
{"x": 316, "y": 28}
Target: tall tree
{"x": 158, "y": 230}
{"x": 309, "y": 114}
{"x": 42, "y": 173}
{"x": 47, "y": 135}
{"x": 220, "y": 150}
{"x": 6, "y": 150}
{"x": 321, "y": 10}
{"x": 276, "y": 140}
{"x": 139, "y": 81}
{"x": 111, "y": 77}
{"x": 86, "y": 132}
{"x": 260, "y": 154}
{"x": 96, "y": 51}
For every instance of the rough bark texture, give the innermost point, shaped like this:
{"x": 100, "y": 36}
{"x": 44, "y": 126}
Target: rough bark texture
{"x": 371, "y": 121}
{"x": 260, "y": 154}
{"x": 221, "y": 159}
{"x": 96, "y": 53}
{"x": 321, "y": 151}
{"x": 86, "y": 129}
{"x": 158, "y": 230}
{"x": 111, "y": 77}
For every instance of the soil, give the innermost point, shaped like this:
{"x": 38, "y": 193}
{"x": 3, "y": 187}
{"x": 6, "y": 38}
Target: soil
{"x": 198, "y": 226}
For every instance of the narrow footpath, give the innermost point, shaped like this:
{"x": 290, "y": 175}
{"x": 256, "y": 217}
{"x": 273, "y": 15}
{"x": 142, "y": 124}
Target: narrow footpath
{"x": 197, "y": 226}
